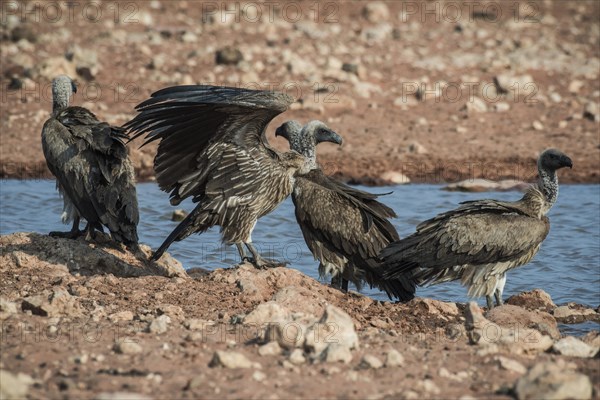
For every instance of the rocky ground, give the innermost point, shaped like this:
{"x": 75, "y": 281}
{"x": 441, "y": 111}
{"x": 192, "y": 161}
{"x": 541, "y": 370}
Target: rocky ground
{"x": 90, "y": 320}
{"x": 436, "y": 90}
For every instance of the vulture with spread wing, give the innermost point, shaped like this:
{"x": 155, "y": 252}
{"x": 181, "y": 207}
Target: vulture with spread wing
{"x": 481, "y": 240}
{"x": 344, "y": 228}
{"x": 92, "y": 169}
{"x": 213, "y": 149}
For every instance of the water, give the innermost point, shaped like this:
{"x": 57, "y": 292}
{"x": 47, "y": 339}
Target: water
{"x": 567, "y": 266}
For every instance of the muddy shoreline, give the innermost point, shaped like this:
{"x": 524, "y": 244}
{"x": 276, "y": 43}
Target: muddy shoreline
{"x": 89, "y": 320}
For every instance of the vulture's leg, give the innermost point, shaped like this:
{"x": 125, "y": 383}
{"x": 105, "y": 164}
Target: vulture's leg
{"x": 339, "y": 282}
{"x": 344, "y": 285}
{"x": 90, "y": 233}
{"x": 242, "y": 252}
{"x": 490, "y": 301}
{"x": 336, "y": 281}
{"x": 499, "y": 290}
{"x": 74, "y": 233}
{"x": 260, "y": 262}
{"x": 498, "y": 296}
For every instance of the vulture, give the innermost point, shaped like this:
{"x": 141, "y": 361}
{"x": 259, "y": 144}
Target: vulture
{"x": 213, "y": 149}
{"x": 480, "y": 241}
{"x": 344, "y": 228}
{"x": 93, "y": 172}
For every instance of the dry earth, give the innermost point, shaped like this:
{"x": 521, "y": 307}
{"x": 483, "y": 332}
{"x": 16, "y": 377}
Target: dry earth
{"x": 437, "y": 90}
{"x": 75, "y": 325}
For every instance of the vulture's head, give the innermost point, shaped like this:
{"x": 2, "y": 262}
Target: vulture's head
{"x": 62, "y": 89}
{"x": 304, "y": 139}
{"x": 320, "y": 132}
{"x": 553, "y": 159}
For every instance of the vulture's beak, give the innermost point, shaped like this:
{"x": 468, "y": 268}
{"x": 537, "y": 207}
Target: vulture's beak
{"x": 327, "y": 135}
{"x": 281, "y": 131}
{"x": 565, "y": 161}
{"x": 73, "y": 87}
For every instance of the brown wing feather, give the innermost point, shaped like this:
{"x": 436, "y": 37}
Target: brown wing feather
{"x": 332, "y": 217}
{"x": 189, "y": 119}
{"x": 478, "y": 233}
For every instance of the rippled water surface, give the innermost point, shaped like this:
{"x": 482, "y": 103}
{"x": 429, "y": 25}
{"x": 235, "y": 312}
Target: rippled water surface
{"x": 567, "y": 266}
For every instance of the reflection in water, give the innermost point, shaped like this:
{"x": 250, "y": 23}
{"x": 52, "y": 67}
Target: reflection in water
{"x": 567, "y": 266}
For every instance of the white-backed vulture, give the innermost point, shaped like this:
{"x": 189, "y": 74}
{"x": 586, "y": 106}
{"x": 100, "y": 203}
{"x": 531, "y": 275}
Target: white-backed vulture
{"x": 213, "y": 149}
{"x": 344, "y": 228}
{"x": 92, "y": 169}
{"x": 480, "y": 241}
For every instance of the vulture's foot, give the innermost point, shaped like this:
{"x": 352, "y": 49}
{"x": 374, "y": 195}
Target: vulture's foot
{"x": 339, "y": 283}
{"x": 260, "y": 262}
{"x": 72, "y": 234}
{"x": 264, "y": 263}
{"x": 490, "y": 302}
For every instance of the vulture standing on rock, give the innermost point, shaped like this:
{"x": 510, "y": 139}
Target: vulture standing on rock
{"x": 92, "y": 169}
{"x": 481, "y": 240}
{"x": 344, "y": 228}
{"x": 213, "y": 148}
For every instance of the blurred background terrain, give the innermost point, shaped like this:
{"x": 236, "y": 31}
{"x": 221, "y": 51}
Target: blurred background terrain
{"x": 438, "y": 91}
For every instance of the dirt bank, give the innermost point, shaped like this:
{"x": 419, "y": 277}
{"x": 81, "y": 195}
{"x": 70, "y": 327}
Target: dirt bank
{"x": 71, "y": 329}
{"x": 439, "y": 92}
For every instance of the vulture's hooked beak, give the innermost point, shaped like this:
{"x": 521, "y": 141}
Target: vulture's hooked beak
{"x": 281, "y": 131}
{"x": 327, "y": 135}
{"x": 565, "y": 161}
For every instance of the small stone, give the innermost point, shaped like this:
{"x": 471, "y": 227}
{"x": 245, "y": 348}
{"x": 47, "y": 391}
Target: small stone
{"x": 501, "y": 106}
{"x": 548, "y": 380}
{"x": 428, "y": 386}
{"x": 536, "y": 299}
{"x": 555, "y": 97}
{"x": 189, "y": 37}
{"x": 338, "y": 353}
{"x": 337, "y": 326}
{"x": 297, "y": 357}
{"x": 591, "y": 111}
{"x": 159, "y": 324}
{"x": 376, "y": 11}
{"x": 573, "y": 347}
{"x": 128, "y": 346}
{"x": 121, "y": 316}
{"x": 475, "y": 105}
{"x": 370, "y": 362}
{"x": 394, "y": 177}
{"x": 230, "y": 359}
{"x": 178, "y": 215}
{"x": 351, "y": 68}
{"x": 505, "y": 82}
{"x": 269, "y": 349}
{"x": 259, "y": 376}
{"x": 575, "y": 86}
{"x": 416, "y": 148}
{"x": 196, "y": 324}
{"x": 7, "y": 306}
{"x": 14, "y": 386}
{"x": 574, "y": 313}
{"x": 511, "y": 365}
{"x": 537, "y": 125}
{"x": 563, "y": 124}
{"x": 229, "y": 56}
{"x": 394, "y": 359}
